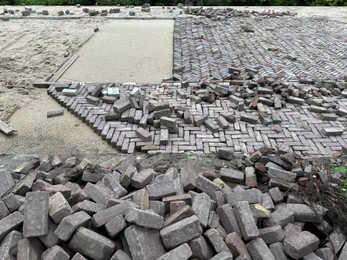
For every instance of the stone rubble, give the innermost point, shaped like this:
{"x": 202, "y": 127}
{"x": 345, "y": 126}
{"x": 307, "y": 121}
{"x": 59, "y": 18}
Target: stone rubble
{"x": 178, "y": 214}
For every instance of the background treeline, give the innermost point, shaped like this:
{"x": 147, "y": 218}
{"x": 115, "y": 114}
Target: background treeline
{"x": 175, "y": 2}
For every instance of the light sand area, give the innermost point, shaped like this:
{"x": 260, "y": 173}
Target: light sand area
{"x": 126, "y": 51}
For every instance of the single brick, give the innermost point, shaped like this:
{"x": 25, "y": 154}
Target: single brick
{"x": 276, "y": 194}
{"x": 112, "y": 183}
{"x": 120, "y": 255}
{"x": 277, "y": 250}
{"x": 300, "y": 245}
{"x": 70, "y": 223}
{"x": 92, "y": 244}
{"x": 144, "y": 243}
{"x": 223, "y": 256}
{"x": 55, "y": 252}
{"x": 272, "y": 234}
{"x": 143, "y": 218}
{"x": 236, "y": 245}
{"x": 7, "y": 182}
{"x": 88, "y": 206}
{"x": 280, "y": 217}
{"x": 182, "y": 213}
{"x": 10, "y": 223}
{"x": 228, "y": 219}
{"x": 226, "y": 153}
{"x": 201, "y": 206}
{"x": 181, "y": 232}
{"x": 59, "y": 208}
{"x": 223, "y": 123}
{"x": 142, "y": 178}
{"x": 143, "y": 134}
{"x": 259, "y": 250}
{"x": 29, "y": 248}
{"x": 205, "y": 185}
{"x": 8, "y": 247}
{"x": 200, "y": 248}
{"x": 161, "y": 189}
{"x": 216, "y": 240}
{"x": 115, "y": 226}
{"x": 245, "y": 219}
{"x": 231, "y": 175}
{"x": 50, "y": 239}
{"x": 182, "y": 252}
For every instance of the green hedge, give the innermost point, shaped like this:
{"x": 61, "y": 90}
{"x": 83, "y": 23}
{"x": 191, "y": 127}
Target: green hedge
{"x": 175, "y": 2}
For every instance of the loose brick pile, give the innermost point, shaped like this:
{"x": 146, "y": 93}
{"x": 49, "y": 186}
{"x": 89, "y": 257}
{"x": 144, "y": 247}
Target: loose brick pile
{"x": 70, "y": 208}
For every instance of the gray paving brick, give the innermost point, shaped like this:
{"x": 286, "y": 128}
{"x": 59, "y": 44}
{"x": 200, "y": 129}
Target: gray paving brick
{"x": 50, "y": 239}
{"x": 144, "y": 243}
{"x": 3, "y": 210}
{"x": 271, "y": 235}
{"x": 278, "y": 251}
{"x": 161, "y": 189}
{"x": 78, "y": 256}
{"x": 259, "y": 250}
{"x": 280, "y": 217}
{"x": 343, "y": 253}
{"x": 252, "y": 196}
{"x": 59, "y": 208}
{"x": 325, "y": 253}
{"x": 36, "y": 214}
{"x": 92, "y": 244}
{"x": 228, "y": 219}
{"x": 181, "y": 252}
{"x": 98, "y": 192}
{"x": 115, "y": 226}
{"x": 101, "y": 218}
{"x": 70, "y": 223}
{"x": 300, "y": 245}
{"x": 216, "y": 240}
{"x": 7, "y": 182}
{"x": 201, "y": 206}
{"x": 55, "y": 252}
{"x": 223, "y": 256}
{"x": 206, "y": 185}
{"x": 142, "y": 178}
{"x": 112, "y": 183}
{"x": 10, "y": 223}
{"x": 236, "y": 245}
{"x": 226, "y": 153}
{"x": 245, "y": 219}
{"x": 29, "y": 248}
{"x": 8, "y": 247}
{"x": 305, "y": 213}
{"x": 282, "y": 174}
{"x": 181, "y": 232}
{"x": 200, "y": 248}
{"x": 143, "y": 218}
{"x": 232, "y": 175}
{"x": 276, "y": 195}
{"x": 88, "y": 206}
{"x": 120, "y": 255}
{"x": 337, "y": 239}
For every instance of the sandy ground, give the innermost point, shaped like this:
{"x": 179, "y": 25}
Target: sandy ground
{"x": 126, "y": 51}
{"x": 31, "y": 50}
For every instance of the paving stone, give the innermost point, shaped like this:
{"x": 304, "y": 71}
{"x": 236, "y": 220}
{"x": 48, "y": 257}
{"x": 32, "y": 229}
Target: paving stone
{"x": 281, "y": 174}
{"x": 232, "y": 175}
{"x": 142, "y": 178}
{"x": 201, "y": 206}
{"x": 236, "y": 246}
{"x": 249, "y": 118}
{"x": 188, "y": 177}
{"x": 271, "y": 235}
{"x": 59, "y": 208}
{"x": 158, "y": 207}
{"x": 7, "y": 182}
{"x": 223, "y": 256}
{"x": 101, "y": 218}
{"x": 325, "y": 253}
{"x": 280, "y": 217}
{"x": 121, "y": 105}
{"x": 9, "y": 223}
{"x": 112, "y": 183}
{"x": 144, "y": 134}
{"x": 99, "y": 192}
{"x": 252, "y": 196}
{"x": 266, "y": 202}
{"x": 143, "y": 218}
{"x": 259, "y": 250}
{"x": 8, "y": 247}
{"x": 50, "y": 239}
{"x": 29, "y": 248}
{"x": 226, "y": 153}
{"x": 70, "y": 223}
{"x": 92, "y": 244}
{"x": 161, "y": 189}
{"x": 185, "y": 212}
{"x": 120, "y": 255}
{"x": 305, "y": 213}
{"x": 276, "y": 195}
{"x": 228, "y": 219}
{"x": 205, "y": 185}
{"x": 337, "y": 238}
{"x": 36, "y": 214}
{"x": 216, "y": 240}
{"x": 200, "y": 248}
{"x": 311, "y": 256}
{"x": 144, "y": 243}
{"x": 141, "y": 198}
{"x": 278, "y": 251}
{"x": 245, "y": 219}
{"x": 88, "y": 206}
{"x": 181, "y": 232}
{"x": 300, "y": 245}
{"x": 55, "y": 252}
{"x": 343, "y": 253}
{"x": 115, "y": 226}
{"x": 181, "y": 252}
{"x": 25, "y": 184}
{"x": 13, "y": 202}
{"x": 295, "y": 100}
{"x": 332, "y": 131}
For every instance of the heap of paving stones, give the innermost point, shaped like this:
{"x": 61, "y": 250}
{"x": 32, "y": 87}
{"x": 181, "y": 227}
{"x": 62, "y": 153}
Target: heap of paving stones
{"x": 67, "y": 208}
{"x": 225, "y": 13}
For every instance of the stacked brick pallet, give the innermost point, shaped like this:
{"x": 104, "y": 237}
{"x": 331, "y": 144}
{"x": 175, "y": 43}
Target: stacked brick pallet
{"x": 70, "y": 208}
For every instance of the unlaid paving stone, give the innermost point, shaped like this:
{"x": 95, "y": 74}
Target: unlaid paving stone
{"x": 245, "y": 219}
{"x": 88, "y": 206}
{"x": 271, "y": 235}
{"x": 161, "y": 189}
{"x": 185, "y": 212}
{"x": 325, "y": 253}
{"x": 120, "y": 255}
{"x": 181, "y": 232}
{"x": 55, "y": 252}
{"x": 59, "y": 208}
{"x": 201, "y": 206}
{"x": 144, "y": 243}
{"x": 181, "y": 252}
{"x": 311, "y": 256}
{"x": 259, "y": 250}
{"x": 200, "y": 248}
{"x": 280, "y": 217}
{"x": 8, "y": 247}
{"x": 226, "y": 153}
{"x": 36, "y": 214}
{"x": 142, "y": 178}
{"x": 228, "y": 219}
{"x": 282, "y": 174}
{"x": 232, "y": 175}
{"x": 92, "y": 244}
{"x": 305, "y": 213}
{"x": 236, "y": 245}
{"x": 249, "y": 118}
{"x": 143, "y": 134}
{"x": 141, "y": 199}
{"x": 205, "y": 185}
{"x": 112, "y": 183}
{"x": 343, "y": 253}
{"x": 3, "y": 210}
{"x": 99, "y": 192}
{"x": 332, "y": 131}
{"x": 7, "y": 182}
{"x": 223, "y": 256}
{"x": 300, "y": 245}
{"x": 266, "y": 201}
{"x": 277, "y": 250}
{"x": 143, "y": 218}
{"x": 338, "y": 239}
{"x": 29, "y": 248}
{"x": 252, "y": 196}
{"x": 115, "y": 226}
{"x": 216, "y": 240}
{"x": 50, "y": 239}
{"x": 10, "y": 223}
{"x": 102, "y": 217}
{"x": 276, "y": 195}
{"x": 70, "y": 223}
{"x": 78, "y": 256}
